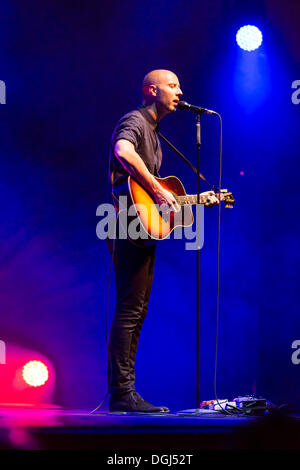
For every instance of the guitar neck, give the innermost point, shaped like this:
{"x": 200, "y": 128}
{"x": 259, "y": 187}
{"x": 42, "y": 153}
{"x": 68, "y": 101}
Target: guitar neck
{"x": 191, "y": 199}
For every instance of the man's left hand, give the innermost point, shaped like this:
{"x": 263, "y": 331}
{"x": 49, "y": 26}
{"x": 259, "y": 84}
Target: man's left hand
{"x": 210, "y": 198}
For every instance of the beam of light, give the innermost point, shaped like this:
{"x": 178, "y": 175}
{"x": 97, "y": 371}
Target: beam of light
{"x": 249, "y": 38}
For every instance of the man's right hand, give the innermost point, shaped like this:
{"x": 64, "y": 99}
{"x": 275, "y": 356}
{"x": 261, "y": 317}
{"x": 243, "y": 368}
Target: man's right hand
{"x": 166, "y": 201}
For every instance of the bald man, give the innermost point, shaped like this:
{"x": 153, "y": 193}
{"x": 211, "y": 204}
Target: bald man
{"x": 136, "y": 151}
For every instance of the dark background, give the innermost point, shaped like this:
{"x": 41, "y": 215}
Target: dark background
{"x": 72, "y": 69}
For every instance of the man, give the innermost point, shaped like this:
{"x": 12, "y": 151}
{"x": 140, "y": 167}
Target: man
{"x": 136, "y": 151}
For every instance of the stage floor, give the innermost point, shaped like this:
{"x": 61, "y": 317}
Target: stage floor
{"x": 65, "y": 429}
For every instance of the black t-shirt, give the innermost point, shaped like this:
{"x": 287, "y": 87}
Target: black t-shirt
{"x": 139, "y": 128}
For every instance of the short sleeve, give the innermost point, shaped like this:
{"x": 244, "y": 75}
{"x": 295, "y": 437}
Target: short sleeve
{"x": 130, "y": 127}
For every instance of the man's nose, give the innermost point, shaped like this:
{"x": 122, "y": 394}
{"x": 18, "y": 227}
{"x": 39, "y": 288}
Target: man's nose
{"x": 179, "y": 92}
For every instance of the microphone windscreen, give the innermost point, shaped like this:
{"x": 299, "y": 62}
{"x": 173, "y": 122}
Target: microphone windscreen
{"x": 183, "y": 105}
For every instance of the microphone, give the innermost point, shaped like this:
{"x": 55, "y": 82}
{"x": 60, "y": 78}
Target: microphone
{"x": 195, "y": 109}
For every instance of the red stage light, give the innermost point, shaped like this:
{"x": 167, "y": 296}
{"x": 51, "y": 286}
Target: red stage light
{"x": 35, "y": 373}
{"x": 26, "y": 377}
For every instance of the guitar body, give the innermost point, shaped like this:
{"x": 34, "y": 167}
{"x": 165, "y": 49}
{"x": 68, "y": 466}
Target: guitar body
{"x": 140, "y": 205}
{"x": 154, "y": 222}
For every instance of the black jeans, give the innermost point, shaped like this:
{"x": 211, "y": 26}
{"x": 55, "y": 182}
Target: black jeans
{"x": 134, "y": 268}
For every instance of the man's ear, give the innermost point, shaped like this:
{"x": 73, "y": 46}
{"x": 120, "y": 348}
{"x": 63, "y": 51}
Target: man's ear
{"x": 149, "y": 91}
{"x": 152, "y": 90}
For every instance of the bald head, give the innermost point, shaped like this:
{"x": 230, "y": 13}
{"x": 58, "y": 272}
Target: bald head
{"x": 161, "y": 92}
{"x": 157, "y": 78}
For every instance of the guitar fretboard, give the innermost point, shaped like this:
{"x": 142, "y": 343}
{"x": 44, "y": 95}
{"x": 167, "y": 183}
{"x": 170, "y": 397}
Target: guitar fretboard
{"x": 191, "y": 199}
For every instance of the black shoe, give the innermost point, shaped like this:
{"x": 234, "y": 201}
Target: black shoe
{"x": 132, "y": 402}
{"x": 165, "y": 409}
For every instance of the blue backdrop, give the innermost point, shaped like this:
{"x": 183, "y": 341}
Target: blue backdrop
{"x": 71, "y": 71}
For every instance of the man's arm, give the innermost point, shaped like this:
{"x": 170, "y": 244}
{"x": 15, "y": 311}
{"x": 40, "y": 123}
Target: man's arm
{"x": 135, "y": 166}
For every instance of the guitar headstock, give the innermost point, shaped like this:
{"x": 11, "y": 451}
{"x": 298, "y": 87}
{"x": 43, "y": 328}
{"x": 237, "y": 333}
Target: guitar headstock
{"x": 227, "y": 198}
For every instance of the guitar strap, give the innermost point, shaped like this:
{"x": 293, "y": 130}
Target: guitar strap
{"x": 183, "y": 158}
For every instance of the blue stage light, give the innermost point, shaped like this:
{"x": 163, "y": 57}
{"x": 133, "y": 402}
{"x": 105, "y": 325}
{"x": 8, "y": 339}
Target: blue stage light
{"x": 249, "y": 38}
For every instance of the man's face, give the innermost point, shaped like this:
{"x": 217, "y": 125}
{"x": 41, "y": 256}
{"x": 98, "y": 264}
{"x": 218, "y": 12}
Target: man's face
{"x": 168, "y": 93}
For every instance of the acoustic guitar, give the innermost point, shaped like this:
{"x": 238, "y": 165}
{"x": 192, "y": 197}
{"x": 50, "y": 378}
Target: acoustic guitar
{"x": 156, "y": 224}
